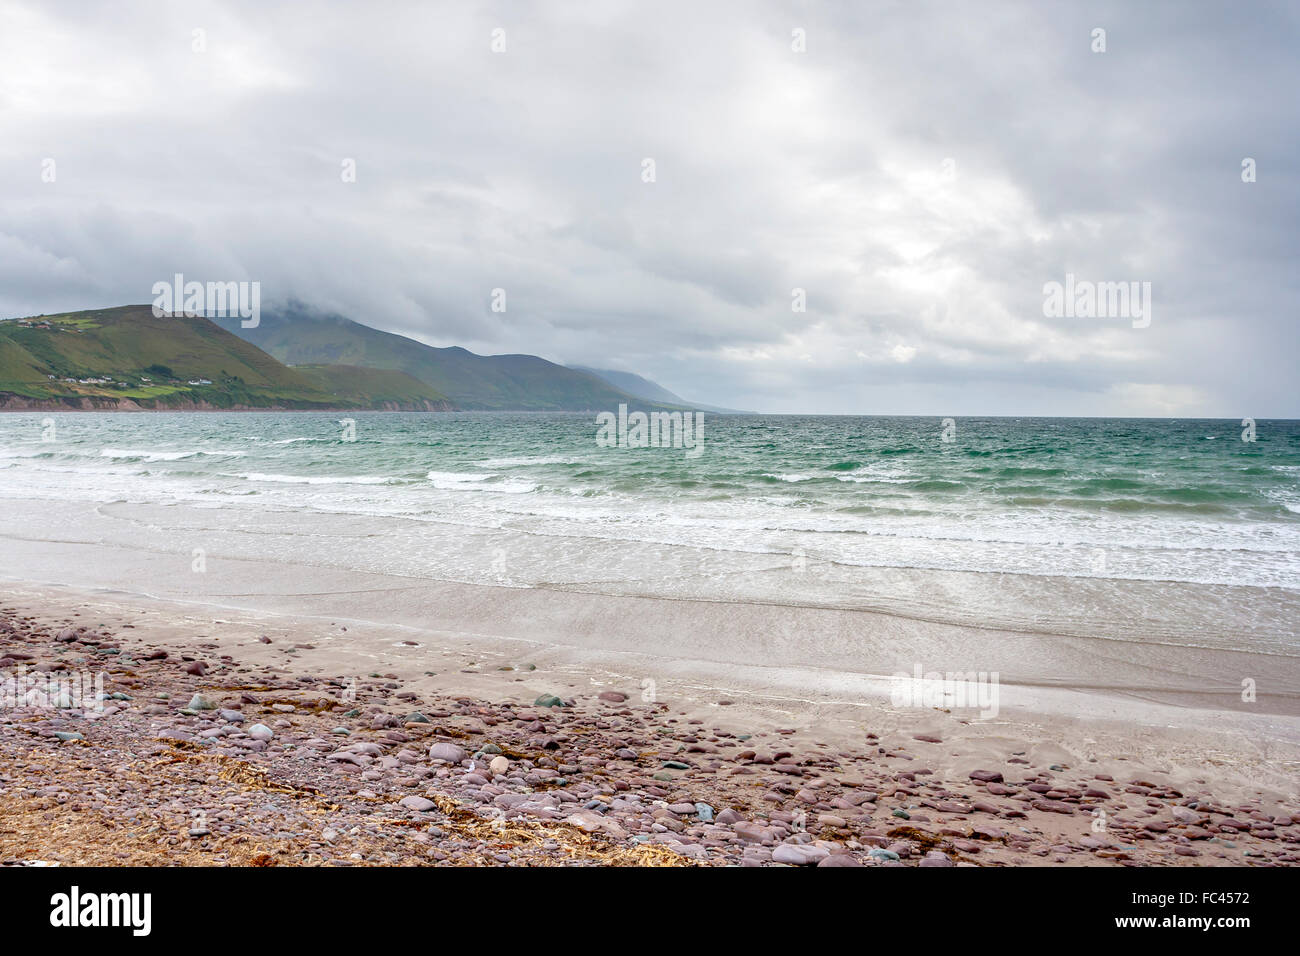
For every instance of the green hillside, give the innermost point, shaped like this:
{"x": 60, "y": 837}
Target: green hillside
{"x": 103, "y": 357}
{"x": 126, "y": 357}
{"x": 470, "y": 381}
{"x": 375, "y": 387}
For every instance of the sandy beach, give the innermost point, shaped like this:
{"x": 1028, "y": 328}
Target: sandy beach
{"x": 304, "y": 650}
{"x": 259, "y": 738}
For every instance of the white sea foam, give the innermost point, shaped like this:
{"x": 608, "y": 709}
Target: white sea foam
{"x": 871, "y": 516}
{"x": 146, "y": 455}
{"x": 513, "y": 487}
{"x": 319, "y": 479}
{"x": 877, "y": 474}
{"x": 457, "y": 480}
{"x": 461, "y": 481}
{"x": 524, "y": 462}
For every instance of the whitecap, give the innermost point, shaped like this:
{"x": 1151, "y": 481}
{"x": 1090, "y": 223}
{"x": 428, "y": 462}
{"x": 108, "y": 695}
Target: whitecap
{"x": 143, "y": 455}
{"x": 319, "y": 479}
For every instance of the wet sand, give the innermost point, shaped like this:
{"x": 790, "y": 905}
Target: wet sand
{"x": 1105, "y": 742}
{"x": 642, "y": 775}
{"x": 1058, "y": 645}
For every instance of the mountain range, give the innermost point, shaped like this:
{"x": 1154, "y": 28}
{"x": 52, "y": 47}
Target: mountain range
{"x": 126, "y": 357}
{"x": 299, "y": 337}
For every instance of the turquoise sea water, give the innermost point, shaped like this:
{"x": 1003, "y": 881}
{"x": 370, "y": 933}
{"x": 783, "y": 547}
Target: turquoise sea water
{"x": 1157, "y": 500}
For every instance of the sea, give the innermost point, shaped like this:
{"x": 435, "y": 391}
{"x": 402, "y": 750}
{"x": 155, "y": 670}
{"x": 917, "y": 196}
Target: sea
{"x": 1178, "y": 532}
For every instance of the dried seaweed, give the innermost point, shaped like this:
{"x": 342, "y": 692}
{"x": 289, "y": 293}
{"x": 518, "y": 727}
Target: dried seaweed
{"x": 576, "y": 844}
{"x": 240, "y": 772}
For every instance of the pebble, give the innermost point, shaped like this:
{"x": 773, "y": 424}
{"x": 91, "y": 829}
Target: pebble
{"x": 799, "y": 855}
{"x": 839, "y": 859}
{"x": 446, "y": 752}
{"x": 795, "y": 801}
{"x": 936, "y": 858}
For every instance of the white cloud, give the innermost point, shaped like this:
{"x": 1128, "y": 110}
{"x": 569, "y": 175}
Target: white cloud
{"x": 921, "y": 172}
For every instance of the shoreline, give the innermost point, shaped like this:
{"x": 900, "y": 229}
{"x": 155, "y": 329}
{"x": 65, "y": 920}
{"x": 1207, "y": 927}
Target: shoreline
{"x": 1136, "y": 675}
{"x": 825, "y": 780}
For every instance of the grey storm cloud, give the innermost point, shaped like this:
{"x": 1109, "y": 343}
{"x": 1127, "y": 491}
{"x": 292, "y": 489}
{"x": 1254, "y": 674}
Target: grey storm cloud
{"x": 919, "y": 170}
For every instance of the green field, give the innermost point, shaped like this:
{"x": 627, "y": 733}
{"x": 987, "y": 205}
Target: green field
{"x": 156, "y": 357}
{"x": 158, "y": 362}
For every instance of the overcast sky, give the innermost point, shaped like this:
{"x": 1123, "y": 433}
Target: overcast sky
{"x": 921, "y": 170}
